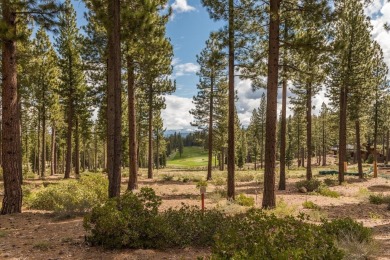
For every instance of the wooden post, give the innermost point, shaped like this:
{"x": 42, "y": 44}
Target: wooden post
{"x": 375, "y": 169}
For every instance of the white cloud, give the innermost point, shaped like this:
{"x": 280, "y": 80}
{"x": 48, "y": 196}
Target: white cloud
{"x": 184, "y": 69}
{"x": 181, "y": 6}
{"x": 176, "y": 115}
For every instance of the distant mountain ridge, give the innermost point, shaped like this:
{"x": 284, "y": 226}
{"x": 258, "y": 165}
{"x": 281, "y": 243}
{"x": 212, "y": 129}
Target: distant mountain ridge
{"x": 183, "y": 132}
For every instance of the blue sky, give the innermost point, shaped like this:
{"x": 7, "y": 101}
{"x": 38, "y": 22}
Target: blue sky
{"x": 188, "y": 30}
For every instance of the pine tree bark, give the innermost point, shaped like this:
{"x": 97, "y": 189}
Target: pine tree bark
{"x": 43, "y": 156}
{"x": 387, "y": 146}
{"x": 157, "y": 151}
{"x": 309, "y": 174}
{"x": 150, "y": 134}
{"x": 114, "y": 103}
{"x": 133, "y": 156}
{"x": 269, "y": 198}
{"x": 11, "y": 145}
{"x": 68, "y": 160}
{"x": 77, "y": 149}
{"x": 210, "y": 162}
{"x": 323, "y": 142}
{"x": 282, "y": 181}
{"x": 342, "y": 132}
{"x": 38, "y": 144}
{"x": 359, "y": 148}
{"x": 231, "y": 146}
{"x": 262, "y": 144}
{"x": 53, "y": 151}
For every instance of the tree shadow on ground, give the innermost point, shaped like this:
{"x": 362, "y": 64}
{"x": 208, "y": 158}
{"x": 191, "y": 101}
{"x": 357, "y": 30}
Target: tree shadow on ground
{"x": 379, "y": 188}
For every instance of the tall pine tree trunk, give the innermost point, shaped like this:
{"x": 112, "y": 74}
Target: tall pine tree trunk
{"x": 387, "y": 146}
{"x": 157, "y": 151}
{"x": 342, "y": 132}
{"x": 210, "y": 163}
{"x": 133, "y": 156}
{"x": 38, "y": 143}
{"x": 77, "y": 148}
{"x": 43, "y": 158}
{"x": 68, "y": 160}
{"x": 282, "y": 181}
{"x": 231, "y": 146}
{"x": 262, "y": 145}
{"x": 1, "y": 144}
{"x": 11, "y": 145}
{"x": 309, "y": 174}
{"x": 53, "y": 151}
{"x": 359, "y": 148}
{"x": 114, "y": 103}
{"x": 269, "y": 198}
{"x": 323, "y": 142}
{"x": 150, "y": 134}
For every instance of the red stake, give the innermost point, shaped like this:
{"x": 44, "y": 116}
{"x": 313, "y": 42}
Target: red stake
{"x": 202, "y": 201}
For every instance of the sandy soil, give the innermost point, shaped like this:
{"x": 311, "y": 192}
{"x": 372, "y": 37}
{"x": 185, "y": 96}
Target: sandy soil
{"x": 40, "y": 235}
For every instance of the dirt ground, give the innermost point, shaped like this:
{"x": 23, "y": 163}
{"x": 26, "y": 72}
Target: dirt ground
{"x": 41, "y": 235}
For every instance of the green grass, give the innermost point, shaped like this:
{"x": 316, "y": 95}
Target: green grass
{"x": 191, "y": 157}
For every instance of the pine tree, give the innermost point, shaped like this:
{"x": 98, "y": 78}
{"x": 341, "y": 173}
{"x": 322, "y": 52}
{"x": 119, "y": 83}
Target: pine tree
{"x": 348, "y": 66}
{"x": 42, "y": 12}
{"x": 72, "y": 81}
{"x": 45, "y": 81}
{"x": 212, "y": 65}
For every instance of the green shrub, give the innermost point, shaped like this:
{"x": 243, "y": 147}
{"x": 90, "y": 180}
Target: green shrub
{"x": 244, "y": 177}
{"x": 325, "y": 191}
{"x": 379, "y": 199}
{"x": 201, "y": 183}
{"x": 71, "y": 196}
{"x": 348, "y": 228}
{"x": 310, "y": 185}
{"x": 189, "y": 226}
{"x": 256, "y": 235}
{"x": 1, "y": 174}
{"x": 219, "y": 181}
{"x": 331, "y": 182}
{"x": 283, "y": 209}
{"x": 246, "y": 201}
{"x": 310, "y": 205}
{"x": 167, "y": 177}
{"x": 133, "y": 221}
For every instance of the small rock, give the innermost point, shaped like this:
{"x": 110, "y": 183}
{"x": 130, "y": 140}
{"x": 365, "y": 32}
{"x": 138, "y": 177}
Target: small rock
{"x": 302, "y": 190}
{"x": 61, "y": 252}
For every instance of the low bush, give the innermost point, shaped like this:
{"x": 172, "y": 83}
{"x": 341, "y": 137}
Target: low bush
{"x": 134, "y": 221}
{"x": 70, "y": 196}
{"x": 325, "y": 191}
{"x": 331, "y": 182}
{"x": 167, "y": 177}
{"x": 246, "y": 201}
{"x": 310, "y": 205}
{"x": 310, "y": 185}
{"x": 379, "y": 199}
{"x": 219, "y": 181}
{"x": 256, "y": 235}
{"x": 348, "y": 228}
{"x": 244, "y": 177}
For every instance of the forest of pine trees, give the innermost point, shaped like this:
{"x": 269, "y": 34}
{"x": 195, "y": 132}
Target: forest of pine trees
{"x": 93, "y": 100}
